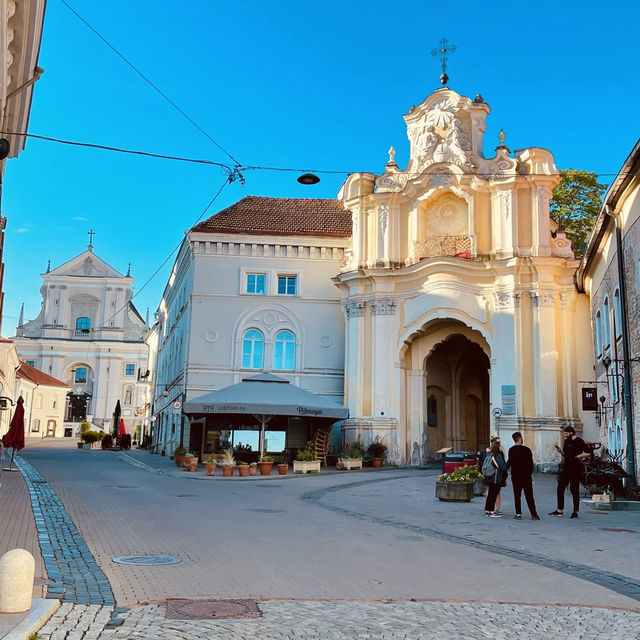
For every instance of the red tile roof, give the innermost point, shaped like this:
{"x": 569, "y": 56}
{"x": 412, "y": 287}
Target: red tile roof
{"x": 257, "y": 215}
{"x": 36, "y": 376}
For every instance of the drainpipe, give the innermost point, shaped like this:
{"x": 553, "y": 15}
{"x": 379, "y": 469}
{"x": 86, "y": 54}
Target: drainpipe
{"x": 37, "y": 72}
{"x": 626, "y": 368}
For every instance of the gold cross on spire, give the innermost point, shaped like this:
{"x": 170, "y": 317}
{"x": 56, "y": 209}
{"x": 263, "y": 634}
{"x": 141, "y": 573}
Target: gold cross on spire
{"x": 444, "y": 51}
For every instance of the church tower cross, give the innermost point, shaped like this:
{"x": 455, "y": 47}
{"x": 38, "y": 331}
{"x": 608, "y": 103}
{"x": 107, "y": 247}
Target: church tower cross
{"x": 444, "y": 51}
{"x": 90, "y": 233}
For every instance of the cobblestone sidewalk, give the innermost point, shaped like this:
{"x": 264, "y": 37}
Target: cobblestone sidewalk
{"x": 346, "y": 620}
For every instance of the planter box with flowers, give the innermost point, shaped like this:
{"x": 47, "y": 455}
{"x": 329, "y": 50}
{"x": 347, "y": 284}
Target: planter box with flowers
{"x": 458, "y": 485}
{"x": 305, "y": 462}
{"x": 352, "y": 456}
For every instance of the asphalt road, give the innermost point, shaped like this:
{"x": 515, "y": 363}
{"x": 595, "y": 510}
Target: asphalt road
{"x": 377, "y": 535}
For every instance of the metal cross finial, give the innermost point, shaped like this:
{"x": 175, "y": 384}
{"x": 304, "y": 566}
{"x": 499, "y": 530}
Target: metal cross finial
{"x": 444, "y": 51}
{"x": 90, "y": 233}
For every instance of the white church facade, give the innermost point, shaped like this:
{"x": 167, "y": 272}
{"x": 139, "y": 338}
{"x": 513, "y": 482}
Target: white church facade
{"x": 89, "y": 335}
{"x": 437, "y": 301}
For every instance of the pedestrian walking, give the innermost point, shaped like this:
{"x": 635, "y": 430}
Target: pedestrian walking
{"x": 496, "y": 438}
{"x": 520, "y": 463}
{"x": 570, "y": 470}
{"x": 497, "y": 481}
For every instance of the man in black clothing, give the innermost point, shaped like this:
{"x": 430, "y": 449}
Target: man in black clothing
{"x": 521, "y": 464}
{"x": 573, "y": 451}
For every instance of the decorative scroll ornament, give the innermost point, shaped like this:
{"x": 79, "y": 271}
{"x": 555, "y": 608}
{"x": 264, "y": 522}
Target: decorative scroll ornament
{"x": 561, "y": 246}
{"x": 391, "y": 181}
{"x": 355, "y": 309}
{"x": 383, "y": 217}
{"x": 383, "y": 307}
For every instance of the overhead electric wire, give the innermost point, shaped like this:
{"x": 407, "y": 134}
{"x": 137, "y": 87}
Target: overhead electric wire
{"x": 148, "y": 81}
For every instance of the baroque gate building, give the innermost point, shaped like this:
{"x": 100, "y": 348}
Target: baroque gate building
{"x": 462, "y": 316}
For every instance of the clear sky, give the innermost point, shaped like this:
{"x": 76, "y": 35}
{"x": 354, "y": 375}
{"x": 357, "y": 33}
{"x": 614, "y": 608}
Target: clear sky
{"x": 319, "y": 85}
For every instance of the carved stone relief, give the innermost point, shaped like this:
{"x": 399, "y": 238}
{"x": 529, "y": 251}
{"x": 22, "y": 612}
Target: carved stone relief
{"x": 383, "y": 307}
{"x": 355, "y": 309}
{"x": 383, "y": 216}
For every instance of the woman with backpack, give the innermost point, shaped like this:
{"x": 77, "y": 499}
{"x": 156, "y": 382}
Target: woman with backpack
{"x": 495, "y": 438}
{"x": 497, "y": 480}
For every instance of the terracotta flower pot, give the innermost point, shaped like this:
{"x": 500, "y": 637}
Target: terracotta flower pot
{"x": 253, "y": 469}
{"x": 227, "y": 471}
{"x": 376, "y": 462}
{"x": 265, "y": 468}
{"x": 210, "y": 468}
{"x": 283, "y": 469}
{"x": 243, "y": 470}
{"x": 189, "y": 461}
{"x": 179, "y": 460}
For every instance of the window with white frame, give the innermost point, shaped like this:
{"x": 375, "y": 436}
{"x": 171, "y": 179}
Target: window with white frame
{"x": 606, "y": 322}
{"x": 81, "y": 375}
{"x": 617, "y": 314}
{"x": 287, "y": 285}
{"x": 613, "y": 381}
{"x": 37, "y": 401}
{"x": 35, "y": 425}
{"x": 83, "y": 324}
{"x": 598, "y": 333}
{"x": 284, "y": 351}
{"x": 53, "y": 403}
{"x": 31, "y": 363}
{"x": 130, "y": 369}
{"x": 257, "y": 283}
{"x": 252, "y": 349}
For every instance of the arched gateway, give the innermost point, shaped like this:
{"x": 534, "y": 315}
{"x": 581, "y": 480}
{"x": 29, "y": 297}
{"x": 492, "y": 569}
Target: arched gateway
{"x": 458, "y": 294}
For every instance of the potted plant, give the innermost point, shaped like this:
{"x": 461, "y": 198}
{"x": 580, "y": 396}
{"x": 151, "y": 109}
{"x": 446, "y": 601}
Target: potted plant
{"x": 178, "y": 456}
{"x": 475, "y": 474}
{"x": 191, "y": 461}
{"x": 377, "y": 450}
{"x": 210, "y": 465}
{"x": 305, "y": 460}
{"x": 456, "y": 486}
{"x": 352, "y": 456}
{"x": 283, "y": 468}
{"x": 253, "y": 468}
{"x": 243, "y": 469}
{"x": 228, "y": 463}
{"x": 265, "y": 465}
{"x": 89, "y": 437}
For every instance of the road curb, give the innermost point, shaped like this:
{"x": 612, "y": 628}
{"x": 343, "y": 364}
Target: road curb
{"x": 40, "y": 612}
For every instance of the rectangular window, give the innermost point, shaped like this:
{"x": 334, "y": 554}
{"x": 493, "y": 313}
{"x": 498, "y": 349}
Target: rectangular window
{"x": 256, "y": 283}
{"x": 287, "y": 285}
{"x": 35, "y": 425}
{"x": 31, "y": 363}
{"x": 81, "y": 375}
{"x": 129, "y": 369}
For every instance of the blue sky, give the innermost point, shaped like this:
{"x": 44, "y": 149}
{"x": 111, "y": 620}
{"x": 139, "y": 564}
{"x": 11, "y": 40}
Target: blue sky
{"x": 286, "y": 84}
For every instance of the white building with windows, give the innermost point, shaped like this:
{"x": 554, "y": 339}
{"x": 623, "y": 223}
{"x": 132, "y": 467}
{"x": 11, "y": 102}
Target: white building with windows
{"x": 90, "y": 336}
{"x": 251, "y": 291}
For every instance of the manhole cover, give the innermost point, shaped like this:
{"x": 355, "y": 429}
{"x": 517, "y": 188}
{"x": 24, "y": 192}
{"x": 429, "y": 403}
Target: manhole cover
{"x": 146, "y": 561}
{"x": 617, "y": 530}
{"x": 179, "y": 609}
{"x": 267, "y": 510}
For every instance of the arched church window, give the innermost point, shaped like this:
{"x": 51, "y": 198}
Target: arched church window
{"x": 432, "y": 411}
{"x": 598, "y": 333}
{"x": 617, "y": 314}
{"x": 606, "y": 322}
{"x": 252, "y": 349}
{"x": 284, "y": 351}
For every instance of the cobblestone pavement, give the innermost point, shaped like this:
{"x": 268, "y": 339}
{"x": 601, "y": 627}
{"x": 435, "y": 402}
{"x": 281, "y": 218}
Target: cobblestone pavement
{"x": 348, "y": 620}
{"x": 623, "y": 584}
{"x": 72, "y": 570}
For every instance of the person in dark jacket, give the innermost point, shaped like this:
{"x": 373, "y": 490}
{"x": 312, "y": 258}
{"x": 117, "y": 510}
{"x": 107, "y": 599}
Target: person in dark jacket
{"x": 520, "y": 462}
{"x": 498, "y": 481}
{"x": 573, "y": 452}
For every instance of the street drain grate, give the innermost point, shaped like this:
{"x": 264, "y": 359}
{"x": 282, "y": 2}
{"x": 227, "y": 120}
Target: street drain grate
{"x": 267, "y": 510}
{"x": 146, "y": 561}
{"x": 617, "y": 530}
{"x": 179, "y": 609}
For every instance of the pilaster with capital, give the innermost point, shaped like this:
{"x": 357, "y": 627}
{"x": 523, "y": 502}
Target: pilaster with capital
{"x": 383, "y": 326}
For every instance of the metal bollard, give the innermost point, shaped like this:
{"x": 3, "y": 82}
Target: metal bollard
{"x": 17, "y": 569}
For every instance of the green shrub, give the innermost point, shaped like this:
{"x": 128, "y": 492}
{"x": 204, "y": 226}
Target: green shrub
{"x": 307, "y": 454}
{"x": 377, "y": 449}
{"x": 90, "y": 436}
{"x": 354, "y": 449}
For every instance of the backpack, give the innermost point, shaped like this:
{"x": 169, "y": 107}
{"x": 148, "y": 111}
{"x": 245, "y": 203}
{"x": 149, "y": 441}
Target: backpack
{"x": 488, "y": 468}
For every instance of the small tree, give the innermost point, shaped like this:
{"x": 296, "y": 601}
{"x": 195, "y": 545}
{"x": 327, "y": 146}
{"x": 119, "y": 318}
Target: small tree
{"x": 116, "y": 419}
{"x": 575, "y": 203}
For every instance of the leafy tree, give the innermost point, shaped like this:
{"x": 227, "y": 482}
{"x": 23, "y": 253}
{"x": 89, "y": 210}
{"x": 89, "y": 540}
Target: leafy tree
{"x": 575, "y": 204}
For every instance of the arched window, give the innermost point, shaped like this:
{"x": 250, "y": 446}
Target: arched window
{"x": 617, "y": 314}
{"x": 83, "y": 324}
{"x": 606, "y": 322}
{"x": 81, "y": 375}
{"x": 284, "y": 351}
{"x": 252, "y": 349}
{"x": 611, "y": 438}
{"x": 598, "y": 333}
